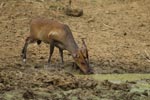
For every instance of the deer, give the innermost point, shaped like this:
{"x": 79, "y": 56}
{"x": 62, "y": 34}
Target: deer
{"x": 59, "y": 35}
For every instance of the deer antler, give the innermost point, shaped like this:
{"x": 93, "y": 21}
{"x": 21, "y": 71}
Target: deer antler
{"x": 147, "y": 56}
{"x": 84, "y": 48}
{"x": 83, "y": 42}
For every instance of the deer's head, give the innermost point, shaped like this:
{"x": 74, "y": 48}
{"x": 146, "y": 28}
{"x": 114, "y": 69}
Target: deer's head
{"x": 82, "y": 59}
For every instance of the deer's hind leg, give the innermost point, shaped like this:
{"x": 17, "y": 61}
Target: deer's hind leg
{"x": 24, "y": 49}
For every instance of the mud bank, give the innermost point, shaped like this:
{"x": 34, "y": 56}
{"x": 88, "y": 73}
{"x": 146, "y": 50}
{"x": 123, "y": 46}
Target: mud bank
{"x": 44, "y": 85}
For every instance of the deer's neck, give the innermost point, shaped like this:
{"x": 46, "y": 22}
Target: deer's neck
{"x": 71, "y": 46}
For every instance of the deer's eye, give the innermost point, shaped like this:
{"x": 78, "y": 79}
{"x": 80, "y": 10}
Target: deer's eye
{"x": 82, "y": 63}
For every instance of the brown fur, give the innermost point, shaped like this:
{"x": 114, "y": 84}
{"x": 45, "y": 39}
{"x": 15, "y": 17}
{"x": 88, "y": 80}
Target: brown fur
{"x": 56, "y": 34}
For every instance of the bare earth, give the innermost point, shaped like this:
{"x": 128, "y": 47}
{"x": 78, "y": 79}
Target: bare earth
{"x": 117, "y": 33}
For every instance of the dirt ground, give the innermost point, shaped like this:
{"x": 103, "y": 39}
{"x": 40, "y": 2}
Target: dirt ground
{"x": 117, "y": 33}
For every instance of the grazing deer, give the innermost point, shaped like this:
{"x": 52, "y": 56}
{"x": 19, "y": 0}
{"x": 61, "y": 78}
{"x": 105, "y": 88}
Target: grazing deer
{"x": 57, "y": 35}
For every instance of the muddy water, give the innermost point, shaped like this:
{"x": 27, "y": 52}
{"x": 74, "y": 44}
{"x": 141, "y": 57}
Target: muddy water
{"x": 140, "y": 84}
{"x": 117, "y": 77}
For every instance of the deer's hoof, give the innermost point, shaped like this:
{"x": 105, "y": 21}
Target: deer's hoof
{"x": 24, "y": 60}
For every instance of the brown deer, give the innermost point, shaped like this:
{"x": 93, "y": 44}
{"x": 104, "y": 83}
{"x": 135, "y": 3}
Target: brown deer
{"x": 57, "y": 35}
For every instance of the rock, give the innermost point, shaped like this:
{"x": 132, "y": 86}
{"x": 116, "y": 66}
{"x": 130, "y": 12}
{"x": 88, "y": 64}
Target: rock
{"x": 74, "y": 12}
{"x": 28, "y": 95}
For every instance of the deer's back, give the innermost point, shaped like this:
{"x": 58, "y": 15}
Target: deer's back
{"x": 45, "y": 29}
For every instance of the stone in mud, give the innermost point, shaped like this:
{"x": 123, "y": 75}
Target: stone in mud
{"x": 74, "y": 12}
{"x": 28, "y": 95}
{"x": 110, "y": 85}
{"x": 120, "y": 86}
{"x": 145, "y": 93}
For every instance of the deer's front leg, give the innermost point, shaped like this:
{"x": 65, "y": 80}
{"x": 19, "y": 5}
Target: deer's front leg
{"x": 51, "y": 52}
{"x": 61, "y": 55}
